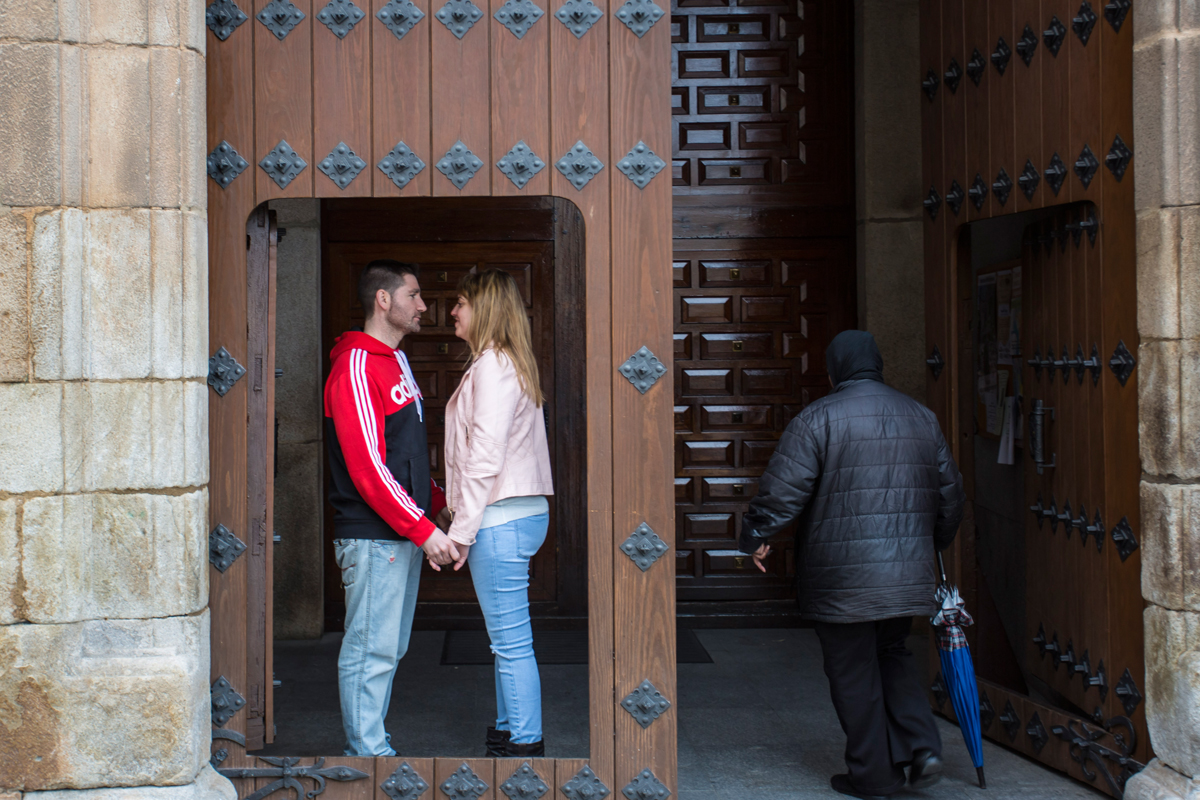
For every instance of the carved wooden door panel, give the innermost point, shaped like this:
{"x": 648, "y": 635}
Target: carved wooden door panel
{"x": 240, "y": 578}
{"x": 1079, "y": 543}
{"x": 752, "y": 320}
{"x": 438, "y": 359}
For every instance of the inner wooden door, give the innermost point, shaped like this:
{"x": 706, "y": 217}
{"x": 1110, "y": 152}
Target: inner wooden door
{"x": 439, "y": 358}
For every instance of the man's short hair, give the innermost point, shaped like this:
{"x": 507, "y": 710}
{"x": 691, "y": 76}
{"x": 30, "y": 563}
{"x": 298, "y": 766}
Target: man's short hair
{"x": 382, "y": 273}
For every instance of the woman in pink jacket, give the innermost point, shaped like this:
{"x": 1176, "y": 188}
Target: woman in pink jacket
{"x": 497, "y": 480}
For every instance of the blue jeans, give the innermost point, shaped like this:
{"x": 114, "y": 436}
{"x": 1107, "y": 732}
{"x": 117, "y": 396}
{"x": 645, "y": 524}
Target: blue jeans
{"x": 381, "y": 580}
{"x": 499, "y": 563}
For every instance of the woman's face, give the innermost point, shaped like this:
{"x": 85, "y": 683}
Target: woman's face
{"x": 462, "y": 317}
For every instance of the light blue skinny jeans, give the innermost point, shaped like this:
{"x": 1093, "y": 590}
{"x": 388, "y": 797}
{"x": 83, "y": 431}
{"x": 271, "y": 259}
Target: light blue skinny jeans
{"x": 499, "y": 562}
{"x": 381, "y": 580}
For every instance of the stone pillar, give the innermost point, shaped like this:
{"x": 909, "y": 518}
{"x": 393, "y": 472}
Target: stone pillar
{"x": 299, "y": 486}
{"x": 104, "y": 640}
{"x": 887, "y": 124}
{"x": 1166, "y": 94}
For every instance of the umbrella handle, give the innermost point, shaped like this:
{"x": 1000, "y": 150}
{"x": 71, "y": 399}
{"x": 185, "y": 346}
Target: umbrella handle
{"x": 941, "y": 568}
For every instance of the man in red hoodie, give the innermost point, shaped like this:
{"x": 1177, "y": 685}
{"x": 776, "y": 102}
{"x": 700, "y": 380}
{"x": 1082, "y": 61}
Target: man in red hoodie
{"x": 383, "y": 497}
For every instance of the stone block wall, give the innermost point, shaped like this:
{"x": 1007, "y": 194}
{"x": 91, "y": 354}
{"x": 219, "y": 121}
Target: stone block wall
{"x": 104, "y": 628}
{"x": 890, "y": 247}
{"x": 1167, "y": 188}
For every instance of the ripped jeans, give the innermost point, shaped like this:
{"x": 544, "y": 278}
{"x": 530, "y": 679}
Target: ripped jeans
{"x": 499, "y": 562}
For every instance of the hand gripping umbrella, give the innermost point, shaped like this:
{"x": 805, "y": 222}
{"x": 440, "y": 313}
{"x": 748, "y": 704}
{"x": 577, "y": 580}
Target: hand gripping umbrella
{"x": 958, "y": 671}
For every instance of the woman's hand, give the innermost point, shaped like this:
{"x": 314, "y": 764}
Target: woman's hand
{"x": 444, "y": 518}
{"x": 463, "y": 551}
{"x": 760, "y": 555}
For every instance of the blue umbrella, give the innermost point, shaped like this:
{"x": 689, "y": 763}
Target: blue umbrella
{"x": 958, "y": 671}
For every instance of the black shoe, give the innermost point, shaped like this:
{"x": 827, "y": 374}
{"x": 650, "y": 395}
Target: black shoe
{"x": 532, "y": 750}
{"x": 842, "y": 784}
{"x": 926, "y": 769}
{"x": 496, "y": 740}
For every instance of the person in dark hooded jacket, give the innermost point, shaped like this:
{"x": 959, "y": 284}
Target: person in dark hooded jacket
{"x": 870, "y": 478}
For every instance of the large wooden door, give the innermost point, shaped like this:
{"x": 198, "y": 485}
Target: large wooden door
{"x": 763, "y": 263}
{"x": 438, "y": 359}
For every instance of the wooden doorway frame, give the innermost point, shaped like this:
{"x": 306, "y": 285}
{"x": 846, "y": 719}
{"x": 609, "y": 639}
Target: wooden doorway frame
{"x": 608, "y": 89}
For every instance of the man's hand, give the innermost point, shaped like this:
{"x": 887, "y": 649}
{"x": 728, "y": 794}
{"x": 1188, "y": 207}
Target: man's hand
{"x": 760, "y": 555}
{"x": 440, "y": 549}
{"x": 444, "y": 519}
{"x": 463, "y": 551}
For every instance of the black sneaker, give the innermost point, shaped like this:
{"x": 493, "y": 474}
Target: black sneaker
{"x": 531, "y": 750}
{"x": 841, "y": 783}
{"x": 926, "y": 770}
{"x": 496, "y": 741}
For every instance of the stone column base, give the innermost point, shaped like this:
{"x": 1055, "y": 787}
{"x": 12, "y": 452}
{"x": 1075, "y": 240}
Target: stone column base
{"x": 209, "y": 785}
{"x": 1159, "y": 782}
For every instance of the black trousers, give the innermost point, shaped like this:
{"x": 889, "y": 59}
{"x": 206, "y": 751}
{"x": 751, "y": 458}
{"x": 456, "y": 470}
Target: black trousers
{"x": 880, "y": 703}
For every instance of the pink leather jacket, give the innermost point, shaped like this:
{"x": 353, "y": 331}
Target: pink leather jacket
{"x": 495, "y": 444}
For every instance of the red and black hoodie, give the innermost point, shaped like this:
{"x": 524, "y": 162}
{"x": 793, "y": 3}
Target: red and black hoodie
{"x": 378, "y": 451}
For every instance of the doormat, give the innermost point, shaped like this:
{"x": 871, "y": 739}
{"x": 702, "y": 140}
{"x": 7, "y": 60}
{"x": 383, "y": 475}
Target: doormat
{"x": 471, "y": 648}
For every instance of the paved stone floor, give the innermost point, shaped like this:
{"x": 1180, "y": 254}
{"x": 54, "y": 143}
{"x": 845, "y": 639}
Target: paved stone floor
{"x": 755, "y": 723}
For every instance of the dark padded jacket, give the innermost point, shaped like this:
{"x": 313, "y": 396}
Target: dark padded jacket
{"x": 868, "y": 473}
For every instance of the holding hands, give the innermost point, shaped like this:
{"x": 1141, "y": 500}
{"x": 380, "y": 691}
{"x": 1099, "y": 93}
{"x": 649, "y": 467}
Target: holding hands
{"x": 441, "y": 549}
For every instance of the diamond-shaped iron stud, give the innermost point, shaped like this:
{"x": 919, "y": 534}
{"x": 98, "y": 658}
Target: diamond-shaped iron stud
{"x": 1056, "y": 173}
{"x": 458, "y": 16}
{"x": 1027, "y": 45}
{"x": 1010, "y": 721}
{"x": 224, "y": 547}
{"x": 223, "y": 371}
{"x": 976, "y": 66}
{"x": 579, "y": 165}
{"x": 1118, "y": 158}
{"x": 520, "y": 164}
{"x": 645, "y": 704}
{"x": 1002, "y": 186}
{"x": 1086, "y": 166}
{"x": 579, "y": 16}
{"x": 953, "y": 75}
{"x": 459, "y": 164}
{"x": 646, "y": 787}
{"x": 280, "y": 16}
{"x": 283, "y": 164}
{"x": 1036, "y": 732}
{"x": 955, "y": 197}
{"x": 1001, "y": 55}
{"x": 585, "y": 785}
{"x": 932, "y": 202}
{"x": 1115, "y": 12}
{"x": 930, "y": 84}
{"x": 399, "y": 16}
{"x": 404, "y": 784}
{"x": 342, "y": 165}
{"x": 225, "y": 164}
{"x": 987, "y": 712}
{"x": 225, "y": 701}
{"x": 1122, "y": 362}
{"x": 340, "y": 16}
{"x": 639, "y": 15}
{"x": 463, "y": 784}
{"x": 1029, "y": 179}
{"x": 1083, "y": 22}
{"x": 1123, "y": 538}
{"x": 222, "y": 17}
{"x": 524, "y": 784}
{"x": 640, "y": 165}
{"x": 978, "y": 192}
{"x": 643, "y": 369}
{"x": 1054, "y": 35}
{"x": 1127, "y": 692}
{"x": 644, "y": 547}
{"x": 518, "y": 16}
{"x": 401, "y": 165}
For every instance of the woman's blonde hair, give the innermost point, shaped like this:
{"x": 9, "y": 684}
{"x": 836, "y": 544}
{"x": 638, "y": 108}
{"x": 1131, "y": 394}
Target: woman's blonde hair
{"x": 498, "y": 320}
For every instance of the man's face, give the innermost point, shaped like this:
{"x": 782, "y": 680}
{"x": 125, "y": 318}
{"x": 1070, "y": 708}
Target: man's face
{"x": 405, "y": 307}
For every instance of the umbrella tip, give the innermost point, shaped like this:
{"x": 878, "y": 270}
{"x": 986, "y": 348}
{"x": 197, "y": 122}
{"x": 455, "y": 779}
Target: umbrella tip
{"x": 982, "y": 782}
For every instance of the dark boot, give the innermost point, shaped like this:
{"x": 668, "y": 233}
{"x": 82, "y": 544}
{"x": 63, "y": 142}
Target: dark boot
{"x": 496, "y": 742}
{"x": 532, "y": 750}
{"x": 926, "y": 770}
{"x": 842, "y": 785}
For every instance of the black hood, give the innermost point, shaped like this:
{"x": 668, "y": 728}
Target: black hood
{"x": 853, "y": 356}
